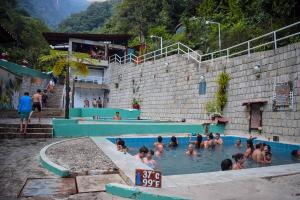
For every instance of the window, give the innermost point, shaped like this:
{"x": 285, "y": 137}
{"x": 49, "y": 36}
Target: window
{"x": 202, "y": 87}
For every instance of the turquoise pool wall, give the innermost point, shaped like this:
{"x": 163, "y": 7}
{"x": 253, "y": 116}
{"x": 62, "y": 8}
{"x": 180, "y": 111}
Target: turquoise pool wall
{"x": 108, "y": 113}
{"x": 71, "y": 128}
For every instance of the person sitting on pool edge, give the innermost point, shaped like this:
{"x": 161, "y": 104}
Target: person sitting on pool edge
{"x": 174, "y": 142}
{"x": 238, "y": 143}
{"x": 209, "y": 142}
{"x": 117, "y": 116}
{"x": 239, "y": 161}
{"x": 142, "y": 153}
{"x": 121, "y": 145}
{"x": 296, "y": 154}
{"x": 148, "y": 160}
{"x": 226, "y": 165}
{"x": 198, "y": 143}
{"x": 190, "y": 151}
{"x": 218, "y": 139}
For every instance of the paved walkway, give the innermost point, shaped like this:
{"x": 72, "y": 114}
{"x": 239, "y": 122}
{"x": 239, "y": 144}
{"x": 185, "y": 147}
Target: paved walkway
{"x": 19, "y": 160}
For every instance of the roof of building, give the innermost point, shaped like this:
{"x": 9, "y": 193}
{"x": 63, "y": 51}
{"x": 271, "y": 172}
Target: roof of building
{"x": 54, "y": 38}
{"x": 22, "y": 70}
{"x": 6, "y": 36}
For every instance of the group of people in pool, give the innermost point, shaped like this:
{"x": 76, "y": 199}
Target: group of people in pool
{"x": 260, "y": 152}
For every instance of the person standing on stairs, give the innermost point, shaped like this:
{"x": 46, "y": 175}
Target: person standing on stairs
{"x": 24, "y": 110}
{"x": 37, "y": 104}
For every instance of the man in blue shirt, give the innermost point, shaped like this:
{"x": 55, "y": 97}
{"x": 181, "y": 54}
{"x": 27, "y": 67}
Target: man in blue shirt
{"x": 24, "y": 111}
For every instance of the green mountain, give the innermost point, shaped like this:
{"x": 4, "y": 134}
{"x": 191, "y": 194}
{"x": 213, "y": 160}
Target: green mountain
{"x": 27, "y": 30}
{"x": 92, "y": 18}
{"x": 52, "y": 12}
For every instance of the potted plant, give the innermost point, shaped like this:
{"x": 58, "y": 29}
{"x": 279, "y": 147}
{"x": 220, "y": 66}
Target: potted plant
{"x": 136, "y": 104}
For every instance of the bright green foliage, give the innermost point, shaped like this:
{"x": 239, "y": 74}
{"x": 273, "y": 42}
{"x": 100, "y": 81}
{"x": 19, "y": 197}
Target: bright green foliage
{"x": 28, "y": 32}
{"x": 90, "y": 19}
{"x": 218, "y": 104}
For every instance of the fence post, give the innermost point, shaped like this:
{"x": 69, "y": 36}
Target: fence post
{"x": 166, "y": 51}
{"x": 275, "y": 40}
{"x": 248, "y": 48}
{"x": 188, "y": 54}
{"x": 227, "y": 52}
{"x": 178, "y": 48}
{"x": 130, "y": 57}
{"x": 154, "y": 55}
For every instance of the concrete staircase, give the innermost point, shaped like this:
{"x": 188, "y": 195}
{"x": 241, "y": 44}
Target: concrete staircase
{"x": 33, "y": 131}
{"x": 54, "y": 99}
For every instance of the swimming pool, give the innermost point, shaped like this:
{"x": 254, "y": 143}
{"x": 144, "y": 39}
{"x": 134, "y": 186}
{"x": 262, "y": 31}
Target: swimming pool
{"x": 175, "y": 162}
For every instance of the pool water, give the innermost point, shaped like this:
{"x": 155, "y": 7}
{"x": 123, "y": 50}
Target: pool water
{"x": 175, "y": 161}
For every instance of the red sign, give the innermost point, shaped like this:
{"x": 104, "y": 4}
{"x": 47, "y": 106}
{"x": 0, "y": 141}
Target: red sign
{"x": 148, "y": 178}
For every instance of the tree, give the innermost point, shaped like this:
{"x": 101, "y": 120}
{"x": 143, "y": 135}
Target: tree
{"x": 62, "y": 62}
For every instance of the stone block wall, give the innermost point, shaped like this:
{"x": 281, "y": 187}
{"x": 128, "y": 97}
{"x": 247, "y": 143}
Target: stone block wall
{"x": 169, "y": 89}
{"x": 29, "y": 86}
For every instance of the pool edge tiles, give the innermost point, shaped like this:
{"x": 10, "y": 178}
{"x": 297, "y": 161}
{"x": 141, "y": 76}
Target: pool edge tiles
{"x": 125, "y": 162}
{"x": 196, "y": 178}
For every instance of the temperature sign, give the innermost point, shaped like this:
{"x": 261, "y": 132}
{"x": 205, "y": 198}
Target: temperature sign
{"x": 148, "y": 178}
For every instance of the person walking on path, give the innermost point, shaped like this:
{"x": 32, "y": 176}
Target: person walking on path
{"x": 37, "y": 104}
{"x": 24, "y": 110}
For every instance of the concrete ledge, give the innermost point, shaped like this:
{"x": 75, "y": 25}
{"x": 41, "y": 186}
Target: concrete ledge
{"x": 51, "y": 166}
{"x": 134, "y": 193}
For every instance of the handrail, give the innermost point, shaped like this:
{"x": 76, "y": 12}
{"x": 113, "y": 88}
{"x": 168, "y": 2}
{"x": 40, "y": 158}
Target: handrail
{"x": 182, "y": 48}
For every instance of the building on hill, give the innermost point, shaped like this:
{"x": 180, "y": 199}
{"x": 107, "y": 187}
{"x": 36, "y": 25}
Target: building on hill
{"x": 15, "y": 80}
{"x": 98, "y": 47}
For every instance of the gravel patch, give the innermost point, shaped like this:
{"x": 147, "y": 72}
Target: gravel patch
{"x": 81, "y": 156}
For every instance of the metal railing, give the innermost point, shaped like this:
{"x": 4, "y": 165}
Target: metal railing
{"x": 244, "y": 48}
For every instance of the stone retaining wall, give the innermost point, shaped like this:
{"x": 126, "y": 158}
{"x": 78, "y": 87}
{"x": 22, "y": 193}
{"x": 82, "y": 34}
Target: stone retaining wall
{"x": 169, "y": 89}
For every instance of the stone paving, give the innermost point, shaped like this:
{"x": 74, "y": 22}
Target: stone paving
{"x": 81, "y": 156}
{"x": 19, "y": 160}
{"x": 33, "y": 121}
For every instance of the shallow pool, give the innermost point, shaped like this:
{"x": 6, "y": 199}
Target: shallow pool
{"x": 175, "y": 161}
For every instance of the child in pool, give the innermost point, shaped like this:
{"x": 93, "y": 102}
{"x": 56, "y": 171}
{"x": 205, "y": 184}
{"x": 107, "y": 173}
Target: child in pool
{"x": 218, "y": 139}
{"x": 121, "y": 145}
{"x": 239, "y": 161}
{"x": 191, "y": 151}
{"x": 148, "y": 160}
{"x": 174, "y": 142}
{"x": 198, "y": 143}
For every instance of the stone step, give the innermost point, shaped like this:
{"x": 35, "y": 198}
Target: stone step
{"x": 46, "y": 112}
{"x": 16, "y": 125}
{"x": 29, "y": 130}
{"x": 28, "y": 135}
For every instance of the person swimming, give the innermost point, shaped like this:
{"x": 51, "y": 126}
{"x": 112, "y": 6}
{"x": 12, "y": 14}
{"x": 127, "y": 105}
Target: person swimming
{"x": 191, "y": 151}
{"x": 239, "y": 161}
{"x": 159, "y": 141}
{"x": 238, "y": 143}
{"x": 249, "y": 148}
{"x": 174, "y": 142}
{"x": 148, "y": 160}
{"x": 267, "y": 153}
{"x": 257, "y": 154}
{"x": 226, "y": 165}
{"x": 198, "y": 143}
{"x": 121, "y": 145}
{"x": 209, "y": 143}
{"x": 218, "y": 139}
{"x": 296, "y": 154}
{"x": 142, "y": 153}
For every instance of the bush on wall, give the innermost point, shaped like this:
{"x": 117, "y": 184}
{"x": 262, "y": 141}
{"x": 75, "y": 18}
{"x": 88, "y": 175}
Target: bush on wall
{"x": 218, "y": 104}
